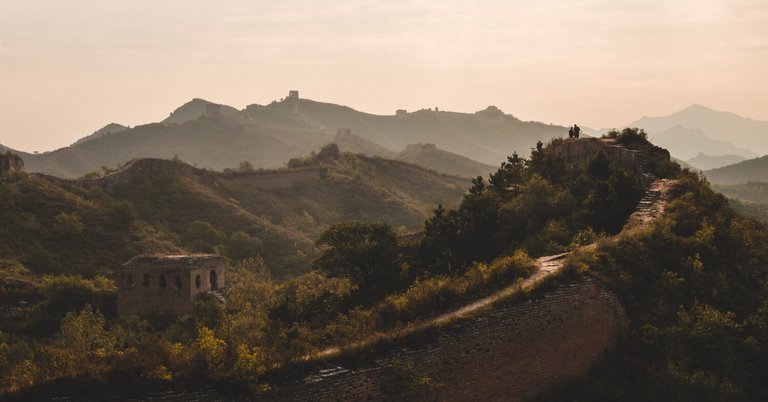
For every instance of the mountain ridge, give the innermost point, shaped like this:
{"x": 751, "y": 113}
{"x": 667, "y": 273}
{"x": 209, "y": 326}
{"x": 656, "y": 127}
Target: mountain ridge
{"x": 109, "y": 129}
{"x": 705, "y": 162}
{"x": 217, "y": 136}
{"x": 428, "y": 155}
{"x": 751, "y": 170}
{"x": 743, "y": 132}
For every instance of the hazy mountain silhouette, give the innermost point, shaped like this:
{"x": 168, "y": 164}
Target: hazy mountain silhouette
{"x": 428, "y": 155}
{"x": 24, "y": 155}
{"x": 706, "y": 162}
{"x": 744, "y": 132}
{"x": 219, "y": 136}
{"x": 109, "y": 129}
{"x": 686, "y": 143}
{"x": 742, "y": 172}
{"x": 349, "y": 142}
{"x": 3, "y": 148}
{"x": 198, "y": 107}
{"x": 487, "y": 136}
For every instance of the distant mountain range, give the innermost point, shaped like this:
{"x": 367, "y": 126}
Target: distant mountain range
{"x": 428, "y": 155}
{"x": 687, "y": 143}
{"x": 700, "y": 129}
{"x": 109, "y": 129}
{"x": 742, "y": 172}
{"x": 218, "y": 136}
{"x": 356, "y": 144}
{"x": 706, "y": 162}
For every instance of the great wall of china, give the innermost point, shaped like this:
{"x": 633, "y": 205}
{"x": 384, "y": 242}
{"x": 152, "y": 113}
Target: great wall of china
{"x": 499, "y": 348}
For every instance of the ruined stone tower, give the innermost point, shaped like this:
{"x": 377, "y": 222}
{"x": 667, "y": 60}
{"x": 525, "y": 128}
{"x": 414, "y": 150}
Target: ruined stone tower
{"x": 167, "y": 282}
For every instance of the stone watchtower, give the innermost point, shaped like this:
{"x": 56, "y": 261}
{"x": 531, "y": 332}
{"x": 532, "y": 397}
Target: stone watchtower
{"x": 167, "y": 282}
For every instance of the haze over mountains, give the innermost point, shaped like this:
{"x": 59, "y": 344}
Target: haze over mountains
{"x": 219, "y": 136}
{"x": 109, "y": 129}
{"x": 700, "y": 129}
{"x": 705, "y": 162}
{"x": 742, "y": 172}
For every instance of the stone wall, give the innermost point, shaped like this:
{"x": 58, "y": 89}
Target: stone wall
{"x": 509, "y": 353}
{"x": 167, "y": 283}
{"x": 580, "y": 150}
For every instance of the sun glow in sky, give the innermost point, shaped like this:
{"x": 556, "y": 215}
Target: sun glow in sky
{"x": 68, "y": 68}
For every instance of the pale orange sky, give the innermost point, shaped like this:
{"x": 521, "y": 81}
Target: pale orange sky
{"x": 69, "y": 67}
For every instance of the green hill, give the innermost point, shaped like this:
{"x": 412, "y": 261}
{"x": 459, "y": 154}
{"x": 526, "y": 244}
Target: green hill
{"x": 89, "y": 226}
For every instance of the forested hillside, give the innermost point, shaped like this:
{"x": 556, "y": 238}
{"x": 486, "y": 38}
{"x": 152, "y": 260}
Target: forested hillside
{"x": 364, "y": 281}
{"x": 693, "y": 283}
{"x": 755, "y": 170}
{"x": 92, "y": 225}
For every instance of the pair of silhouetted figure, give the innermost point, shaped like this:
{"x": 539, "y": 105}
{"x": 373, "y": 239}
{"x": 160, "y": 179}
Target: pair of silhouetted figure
{"x": 574, "y": 131}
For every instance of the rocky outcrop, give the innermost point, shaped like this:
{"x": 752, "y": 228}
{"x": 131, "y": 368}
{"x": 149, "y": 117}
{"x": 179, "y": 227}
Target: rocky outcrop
{"x": 10, "y": 162}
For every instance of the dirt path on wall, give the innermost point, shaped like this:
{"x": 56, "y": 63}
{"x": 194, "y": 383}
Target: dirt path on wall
{"x": 653, "y": 203}
{"x": 650, "y": 207}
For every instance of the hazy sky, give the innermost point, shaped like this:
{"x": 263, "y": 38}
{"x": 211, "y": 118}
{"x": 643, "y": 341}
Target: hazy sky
{"x": 69, "y": 67}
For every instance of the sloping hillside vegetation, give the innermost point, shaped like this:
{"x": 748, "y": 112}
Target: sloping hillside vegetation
{"x": 92, "y": 225}
{"x": 754, "y": 191}
{"x": 742, "y": 172}
{"x": 748, "y": 199}
{"x": 694, "y": 288}
{"x": 750, "y": 209}
{"x": 365, "y": 281}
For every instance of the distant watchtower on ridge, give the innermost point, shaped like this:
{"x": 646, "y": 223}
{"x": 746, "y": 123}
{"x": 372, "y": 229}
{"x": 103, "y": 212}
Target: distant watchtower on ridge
{"x": 293, "y": 94}
{"x": 167, "y": 282}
